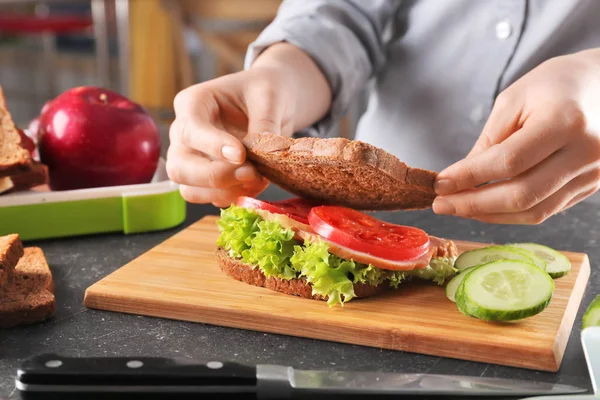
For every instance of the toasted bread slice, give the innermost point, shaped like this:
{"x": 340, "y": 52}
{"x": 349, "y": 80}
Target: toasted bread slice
{"x": 13, "y": 157}
{"x": 35, "y": 176}
{"x": 241, "y": 271}
{"x": 29, "y": 296}
{"x": 341, "y": 172}
{"x": 11, "y": 250}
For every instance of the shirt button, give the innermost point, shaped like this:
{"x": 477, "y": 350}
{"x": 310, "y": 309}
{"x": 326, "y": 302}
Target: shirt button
{"x": 503, "y": 29}
{"x": 477, "y": 114}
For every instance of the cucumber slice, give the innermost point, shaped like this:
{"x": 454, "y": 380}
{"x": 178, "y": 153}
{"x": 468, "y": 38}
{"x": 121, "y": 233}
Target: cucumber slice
{"x": 504, "y": 290}
{"x": 488, "y": 254}
{"x": 538, "y": 261}
{"x": 557, "y": 264}
{"x": 455, "y": 282}
{"x": 592, "y": 314}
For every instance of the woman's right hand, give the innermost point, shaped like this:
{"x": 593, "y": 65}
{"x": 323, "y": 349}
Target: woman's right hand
{"x": 206, "y": 156}
{"x": 283, "y": 92}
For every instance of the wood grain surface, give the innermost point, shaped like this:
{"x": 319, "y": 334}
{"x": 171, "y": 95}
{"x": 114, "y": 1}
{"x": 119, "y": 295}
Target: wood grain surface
{"x": 180, "y": 279}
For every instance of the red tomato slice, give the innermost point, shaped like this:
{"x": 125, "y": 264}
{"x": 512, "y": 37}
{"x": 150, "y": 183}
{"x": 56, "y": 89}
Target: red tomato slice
{"x": 296, "y": 209}
{"x": 296, "y": 206}
{"x": 364, "y": 233}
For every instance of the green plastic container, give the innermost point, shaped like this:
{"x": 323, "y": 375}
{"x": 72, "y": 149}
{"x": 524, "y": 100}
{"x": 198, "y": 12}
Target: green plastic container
{"x": 129, "y": 209}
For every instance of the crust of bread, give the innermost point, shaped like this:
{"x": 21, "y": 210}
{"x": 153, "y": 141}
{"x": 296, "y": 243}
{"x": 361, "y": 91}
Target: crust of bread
{"x": 13, "y": 157}
{"x": 28, "y": 297}
{"x": 241, "y": 271}
{"x": 35, "y": 176}
{"x": 11, "y": 250}
{"x": 340, "y": 171}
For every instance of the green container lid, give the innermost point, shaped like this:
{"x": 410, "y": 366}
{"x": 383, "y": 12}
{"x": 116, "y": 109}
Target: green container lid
{"x": 128, "y": 209}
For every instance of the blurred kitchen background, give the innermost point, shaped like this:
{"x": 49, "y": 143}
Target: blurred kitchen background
{"x": 146, "y": 49}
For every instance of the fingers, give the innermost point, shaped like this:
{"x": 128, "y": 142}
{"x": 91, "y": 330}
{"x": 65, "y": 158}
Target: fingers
{"x": 197, "y": 110}
{"x": 521, "y": 151}
{"x": 502, "y": 122}
{"x": 189, "y": 167}
{"x": 265, "y": 110}
{"x": 517, "y": 194}
{"x": 579, "y": 198}
{"x": 575, "y": 190}
{"x": 203, "y": 180}
{"x": 204, "y": 137}
{"x": 221, "y": 197}
{"x": 592, "y": 187}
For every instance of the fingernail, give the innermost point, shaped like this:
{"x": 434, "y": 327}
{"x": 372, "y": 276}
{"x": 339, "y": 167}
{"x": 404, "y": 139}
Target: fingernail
{"x": 245, "y": 173}
{"x": 443, "y": 206}
{"x": 444, "y": 186}
{"x": 232, "y": 154}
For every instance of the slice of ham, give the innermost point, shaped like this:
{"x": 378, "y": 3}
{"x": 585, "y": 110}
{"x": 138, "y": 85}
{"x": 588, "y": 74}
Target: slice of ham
{"x": 445, "y": 248}
{"x": 365, "y": 258}
{"x": 438, "y": 247}
{"x": 285, "y": 221}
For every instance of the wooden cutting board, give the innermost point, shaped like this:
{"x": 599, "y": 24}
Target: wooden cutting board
{"x": 180, "y": 279}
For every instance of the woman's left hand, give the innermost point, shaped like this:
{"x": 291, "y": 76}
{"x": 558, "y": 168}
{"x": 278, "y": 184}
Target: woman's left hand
{"x": 539, "y": 152}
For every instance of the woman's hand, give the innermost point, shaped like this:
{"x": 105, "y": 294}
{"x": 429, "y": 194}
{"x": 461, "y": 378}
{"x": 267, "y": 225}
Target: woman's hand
{"x": 539, "y": 152}
{"x": 206, "y": 156}
{"x": 284, "y": 91}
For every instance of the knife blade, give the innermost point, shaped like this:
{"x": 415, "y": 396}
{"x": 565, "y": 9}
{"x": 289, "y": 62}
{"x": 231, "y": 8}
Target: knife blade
{"x": 56, "y": 376}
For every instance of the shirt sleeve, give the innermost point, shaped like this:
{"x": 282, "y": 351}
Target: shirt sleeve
{"x": 345, "y": 38}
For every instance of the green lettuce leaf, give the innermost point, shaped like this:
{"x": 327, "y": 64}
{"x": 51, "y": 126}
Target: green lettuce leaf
{"x": 438, "y": 270}
{"x": 331, "y": 275}
{"x": 368, "y": 274}
{"x": 237, "y": 225}
{"x": 271, "y": 247}
{"x": 328, "y": 274}
{"x": 396, "y": 278}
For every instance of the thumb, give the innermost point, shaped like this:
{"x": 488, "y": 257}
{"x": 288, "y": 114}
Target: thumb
{"x": 265, "y": 115}
{"x": 504, "y": 120}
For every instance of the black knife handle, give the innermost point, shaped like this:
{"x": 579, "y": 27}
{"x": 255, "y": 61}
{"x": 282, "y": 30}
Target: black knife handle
{"x": 133, "y": 377}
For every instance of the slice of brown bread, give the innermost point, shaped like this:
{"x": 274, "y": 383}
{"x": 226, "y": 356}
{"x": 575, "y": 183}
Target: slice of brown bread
{"x": 29, "y": 296}
{"x": 241, "y": 271}
{"x": 35, "y": 176}
{"x": 340, "y": 171}
{"x": 11, "y": 250}
{"x": 13, "y": 157}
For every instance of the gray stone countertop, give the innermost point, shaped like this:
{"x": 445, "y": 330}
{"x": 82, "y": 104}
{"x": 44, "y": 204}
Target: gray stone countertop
{"x": 79, "y": 262}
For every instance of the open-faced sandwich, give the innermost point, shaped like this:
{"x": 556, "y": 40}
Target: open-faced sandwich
{"x": 320, "y": 245}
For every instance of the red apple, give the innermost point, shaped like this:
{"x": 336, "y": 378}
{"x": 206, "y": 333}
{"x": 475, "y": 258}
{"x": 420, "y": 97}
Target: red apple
{"x": 94, "y": 137}
{"x": 45, "y": 106}
{"x": 34, "y": 125}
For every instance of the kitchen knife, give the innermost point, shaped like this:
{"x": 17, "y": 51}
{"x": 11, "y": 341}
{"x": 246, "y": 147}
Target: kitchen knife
{"x": 52, "y": 375}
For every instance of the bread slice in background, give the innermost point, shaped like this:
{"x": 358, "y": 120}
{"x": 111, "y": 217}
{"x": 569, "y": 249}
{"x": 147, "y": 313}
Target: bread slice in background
{"x": 243, "y": 272}
{"x": 35, "y": 176}
{"x": 29, "y": 295}
{"x": 11, "y": 250}
{"x": 341, "y": 172}
{"x": 13, "y": 157}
